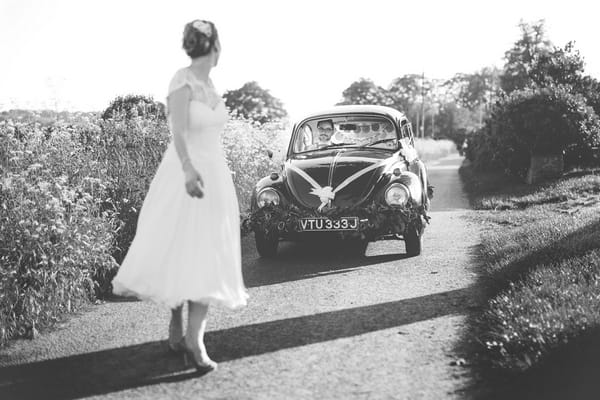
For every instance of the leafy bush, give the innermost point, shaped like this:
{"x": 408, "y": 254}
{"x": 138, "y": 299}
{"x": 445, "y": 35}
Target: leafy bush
{"x": 246, "y": 147}
{"x": 540, "y": 120}
{"x": 55, "y": 240}
{"x": 254, "y": 103}
{"x": 127, "y": 151}
{"x": 131, "y": 106}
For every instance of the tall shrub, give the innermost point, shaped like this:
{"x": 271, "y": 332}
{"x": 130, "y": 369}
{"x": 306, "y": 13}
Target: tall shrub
{"x": 54, "y": 239}
{"x": 246, "y": 147}
{"x": 128, "y": 151}
{"x": 538, "y": 120}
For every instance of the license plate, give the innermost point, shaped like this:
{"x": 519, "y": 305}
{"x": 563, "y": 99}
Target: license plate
{"x": 326, "y": 224}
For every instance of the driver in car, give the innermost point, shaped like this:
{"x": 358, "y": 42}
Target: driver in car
{"x": 324, "y": 134}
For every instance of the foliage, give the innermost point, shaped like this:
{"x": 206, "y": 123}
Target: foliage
{"x": 520, "y": 58}
{"x": 590, "y": 89}
{"x": 254, "y": 103}
{"x": 456, "y": 123}
{"x": 405, "y": 92}
{"x": 570, "y": 192}
{"x": 414, "y": 95}
{"x": 475, "y": 90}
{"x": 555, "y": 304}
{"x": 538, "y": 120}
{"x": 565, "y": 66}
{"x": 365, "y": 91}
{"x": 546, "y": 109}
{"x": 55, "y": 239}
{"x": 128, "y": 152}
{"x": 541, "y": 259}
{"x": 131, "y": 106}
{"x": 46, "y": 118}
{"x": 429, "y": 104}
{"x": 559, "y": 66}
{"x": 246, "y": 147}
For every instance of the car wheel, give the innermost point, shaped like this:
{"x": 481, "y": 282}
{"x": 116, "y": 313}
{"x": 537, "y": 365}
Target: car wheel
{"x": 266, "y": 245}
{"x": 413, "y": 240}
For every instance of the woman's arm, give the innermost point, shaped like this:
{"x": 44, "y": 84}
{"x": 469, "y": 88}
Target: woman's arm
{"x": 178, "y": 108}
{"x": 178, "y": 105}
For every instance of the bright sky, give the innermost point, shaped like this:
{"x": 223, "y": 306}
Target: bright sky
{"x": 80, "y": 54}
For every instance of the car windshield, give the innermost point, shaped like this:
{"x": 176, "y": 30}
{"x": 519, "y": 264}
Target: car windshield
{"x": 345, "y": 131}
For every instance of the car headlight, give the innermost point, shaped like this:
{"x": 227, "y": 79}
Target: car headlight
{"x": 397, "y": 195}
{"x": 267, "y": 196}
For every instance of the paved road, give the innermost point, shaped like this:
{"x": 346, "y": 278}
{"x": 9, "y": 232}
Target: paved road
{"x": 321, "y": 323}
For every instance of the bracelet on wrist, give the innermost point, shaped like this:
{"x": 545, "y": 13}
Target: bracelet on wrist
{"x": 185, "y": 162}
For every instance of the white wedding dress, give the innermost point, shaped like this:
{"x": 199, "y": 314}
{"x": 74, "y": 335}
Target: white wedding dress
{"x": 187, "y": 248}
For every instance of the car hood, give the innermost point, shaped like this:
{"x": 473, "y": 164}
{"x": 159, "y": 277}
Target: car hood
{"x": 344, "y": 176}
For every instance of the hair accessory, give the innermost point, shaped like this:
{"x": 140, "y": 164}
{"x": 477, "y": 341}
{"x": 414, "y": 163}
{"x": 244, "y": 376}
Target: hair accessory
{"x": 203, "y": 27}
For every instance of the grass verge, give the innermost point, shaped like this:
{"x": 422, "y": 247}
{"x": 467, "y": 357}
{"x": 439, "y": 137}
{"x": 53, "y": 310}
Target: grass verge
{"x": 540, "y": 258}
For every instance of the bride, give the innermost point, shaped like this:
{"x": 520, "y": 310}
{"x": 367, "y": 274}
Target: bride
{"x": 187, "y": 243}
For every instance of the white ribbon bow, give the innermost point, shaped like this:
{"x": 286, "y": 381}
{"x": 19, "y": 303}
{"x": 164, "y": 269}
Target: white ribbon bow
{"x": 327, "y": 194}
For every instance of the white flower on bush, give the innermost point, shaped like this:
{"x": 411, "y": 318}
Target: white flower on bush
{"x": 44, "y": 187}
{"x": 7, "y": 183}
{"x": 203, "y": 27}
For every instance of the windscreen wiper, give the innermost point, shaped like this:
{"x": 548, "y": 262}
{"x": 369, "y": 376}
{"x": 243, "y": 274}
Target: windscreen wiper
{"x": 379, "y": 141}
{"x": 329, "y": 146}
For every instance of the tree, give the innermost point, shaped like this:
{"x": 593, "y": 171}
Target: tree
{"x": 406, "y": 91}
{"x": 455, "y": 122}
{"x": 565, "y": 66}
{"x": 365, "y": 91}
{"x": 255, "y": 103}
{"x": 590, "y": 88}
{"x": 537, "y": 121}
{"x": 559, "y": 66}
{"x": 520, "y": 58}
{"x": 130, "y": 106}
{"x": 475, "y": 91}
{"x": 412, "y": 94}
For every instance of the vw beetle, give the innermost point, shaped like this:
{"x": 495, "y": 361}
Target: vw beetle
{"x": 351, "y": 170}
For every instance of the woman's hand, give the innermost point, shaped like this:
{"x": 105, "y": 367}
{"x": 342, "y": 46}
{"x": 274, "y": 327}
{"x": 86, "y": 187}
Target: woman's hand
{"x": 193, "y": 182}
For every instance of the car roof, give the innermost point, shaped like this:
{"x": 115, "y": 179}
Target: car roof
{"x": 358, "y": 109}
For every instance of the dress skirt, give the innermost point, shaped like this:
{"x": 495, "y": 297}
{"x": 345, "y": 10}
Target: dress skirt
{"x": 186, "y": 248}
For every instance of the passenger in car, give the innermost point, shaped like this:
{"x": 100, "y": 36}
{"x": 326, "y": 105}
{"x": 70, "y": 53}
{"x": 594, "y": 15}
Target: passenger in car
{"x": 363, "y": 134}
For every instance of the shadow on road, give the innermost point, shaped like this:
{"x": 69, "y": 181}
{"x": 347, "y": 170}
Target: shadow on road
{"x": 256, "y": 339}
{"x": 149, "y": 363}
{"x": 95, "y": 373}
{"x": 304, "y": 260}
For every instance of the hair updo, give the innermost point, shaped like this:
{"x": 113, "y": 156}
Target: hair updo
{"x": 199, "y": 37}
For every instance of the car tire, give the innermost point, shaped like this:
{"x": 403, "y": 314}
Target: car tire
{"x": 413, "y": 240}
{"x": 266, "y": 245}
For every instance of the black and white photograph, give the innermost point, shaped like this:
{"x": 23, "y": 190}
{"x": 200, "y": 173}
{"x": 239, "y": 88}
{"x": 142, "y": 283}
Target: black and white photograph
{"x": 230, "y": 199}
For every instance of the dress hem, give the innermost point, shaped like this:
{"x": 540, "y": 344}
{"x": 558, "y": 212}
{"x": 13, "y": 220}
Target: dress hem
{"x": 119, "y": 290}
